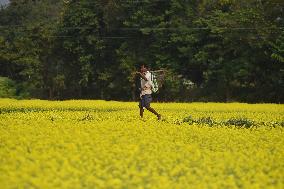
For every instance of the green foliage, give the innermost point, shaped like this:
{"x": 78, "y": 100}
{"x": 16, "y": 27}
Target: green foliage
{"x": 7, "y": 88}
{"x": 240, "y": 122}
{"x": 230, "y": 50}
{"x": 202, "y": 121}
{"x": 11, "y": 89}
{"x": 278, "y": 48}
{"x": 188, "y": 120}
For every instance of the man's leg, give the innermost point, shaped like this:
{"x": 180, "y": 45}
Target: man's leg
{"x": 141, "y": 112}
{"x": 154, "y": 112}
{"x": 141, "y": 108}
{"x": 148, "y": 100}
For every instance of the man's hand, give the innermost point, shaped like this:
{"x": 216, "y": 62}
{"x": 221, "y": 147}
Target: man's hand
{"x": 142, "y": 76}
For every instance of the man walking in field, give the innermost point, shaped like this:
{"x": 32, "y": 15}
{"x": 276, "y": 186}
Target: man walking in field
{"x": 146, "y": 91}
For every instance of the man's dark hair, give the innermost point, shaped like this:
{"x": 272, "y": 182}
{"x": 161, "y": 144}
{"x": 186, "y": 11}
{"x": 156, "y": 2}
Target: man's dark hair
{"x": 145, "y": 65}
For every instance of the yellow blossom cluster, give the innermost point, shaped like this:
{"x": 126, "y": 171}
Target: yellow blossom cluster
{"x": 104, "y": 144}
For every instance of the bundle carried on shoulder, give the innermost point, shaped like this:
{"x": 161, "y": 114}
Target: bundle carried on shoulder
{"x": 157, "y": 78}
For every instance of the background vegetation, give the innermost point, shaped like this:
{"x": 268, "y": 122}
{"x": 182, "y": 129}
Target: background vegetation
{"x": 231, "y": 50}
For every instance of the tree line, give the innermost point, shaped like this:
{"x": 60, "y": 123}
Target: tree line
{"x": 211, "y": 50}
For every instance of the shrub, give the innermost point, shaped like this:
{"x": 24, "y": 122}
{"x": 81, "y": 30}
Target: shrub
{"x": 241, "y": 122}
{"x": 7, "y": 88}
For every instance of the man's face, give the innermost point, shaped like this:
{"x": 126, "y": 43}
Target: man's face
{"x": 143, "y": 69}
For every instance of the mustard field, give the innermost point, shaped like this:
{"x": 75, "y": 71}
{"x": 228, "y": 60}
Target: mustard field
{"x": 105, "y": 144}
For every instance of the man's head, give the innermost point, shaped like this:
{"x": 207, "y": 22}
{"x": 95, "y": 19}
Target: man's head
{"x": 143, "y": 68}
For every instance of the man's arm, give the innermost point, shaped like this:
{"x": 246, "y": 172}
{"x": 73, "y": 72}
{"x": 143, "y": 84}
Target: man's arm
{"x": 142, "y": 76}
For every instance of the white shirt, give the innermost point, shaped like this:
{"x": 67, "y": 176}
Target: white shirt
{"x": 146, "y": 86}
